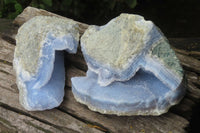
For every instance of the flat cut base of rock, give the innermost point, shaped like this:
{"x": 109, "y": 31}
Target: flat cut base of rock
{"x": 144, "y": 94}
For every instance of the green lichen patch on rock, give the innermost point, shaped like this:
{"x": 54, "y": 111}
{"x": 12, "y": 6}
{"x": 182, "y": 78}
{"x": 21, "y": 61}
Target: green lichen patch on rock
{"x": 167, "y": 56}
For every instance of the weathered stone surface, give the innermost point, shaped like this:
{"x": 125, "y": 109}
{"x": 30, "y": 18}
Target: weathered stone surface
{"x": 38, "y": 63}
{"x": 120, "y": 56}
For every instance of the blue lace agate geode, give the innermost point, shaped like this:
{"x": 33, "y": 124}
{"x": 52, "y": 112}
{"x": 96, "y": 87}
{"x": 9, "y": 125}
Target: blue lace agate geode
{"x": 39, "y": 62}
{"x": 132, "y": 69}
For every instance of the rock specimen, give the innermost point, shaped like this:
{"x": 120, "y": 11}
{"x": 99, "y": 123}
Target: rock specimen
{"x": 39, "y": 62}
{"x": 132, "y": 69}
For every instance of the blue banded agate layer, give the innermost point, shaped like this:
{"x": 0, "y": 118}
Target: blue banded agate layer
{"x": 144, "y": 94}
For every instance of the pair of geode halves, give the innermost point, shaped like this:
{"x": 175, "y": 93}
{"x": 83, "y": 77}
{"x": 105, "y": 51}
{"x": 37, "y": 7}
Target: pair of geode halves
{"x": 131, "y": 69}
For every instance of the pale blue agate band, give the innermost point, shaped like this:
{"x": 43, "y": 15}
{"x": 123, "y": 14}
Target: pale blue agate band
{"x": 144, "y": 94}
{"x": 45, "y": 90}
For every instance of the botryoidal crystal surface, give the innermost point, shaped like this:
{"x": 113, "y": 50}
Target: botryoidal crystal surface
{"x": 131, "y": 69}
{"x": 39, "y": 62}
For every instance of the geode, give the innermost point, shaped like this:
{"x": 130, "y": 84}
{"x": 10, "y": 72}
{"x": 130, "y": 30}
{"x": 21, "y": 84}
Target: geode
{"x": 131, "y": 69}
{"x": 39, "y": 60}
